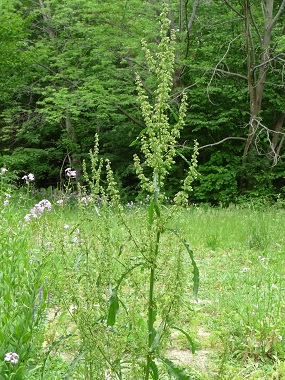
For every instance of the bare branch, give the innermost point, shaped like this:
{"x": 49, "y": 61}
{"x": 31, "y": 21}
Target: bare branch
{"x": 230, "y": 73}
{"x": 280, "y": 10}
{"x": 221, "y": 141}
{"x": 221, "y": 60}
{"x": 216, "y": 143}
{"x": 74, "y": 84}
{"x": 255, "y": 26}
{"x": 280, "y": 145}
{"x": 124, "y": 112}
{"x": 274, "y": 150}
{"x": 233, "y": 8}
{"x": 266, "y": 62}
{"x": 257, "y": 131}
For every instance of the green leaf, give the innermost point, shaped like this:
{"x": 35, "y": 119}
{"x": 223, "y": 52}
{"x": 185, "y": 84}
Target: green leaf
{"x": 113, "y": 308}
{"x": 114, "y": 300}
{"x": 184, "y": 158}
{"x": 154, "y": 370}
{"x": 157, "y": 336}
{"x": 195, "y": 272}
{"x": 190, "y": 340}
{"x": 138, "y": 137}
{"x": 121, "y": 249}
{"x": 174, "y": 370}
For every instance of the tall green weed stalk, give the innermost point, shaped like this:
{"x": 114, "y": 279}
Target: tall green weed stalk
{"x": 158, "y": 141}
{"x": 125, "y": 279}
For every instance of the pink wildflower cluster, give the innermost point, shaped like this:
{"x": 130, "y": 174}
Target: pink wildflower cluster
{"x": 38, "y": 209}
{"x": 28, "y": 178}
{"x": 11, "y": 357}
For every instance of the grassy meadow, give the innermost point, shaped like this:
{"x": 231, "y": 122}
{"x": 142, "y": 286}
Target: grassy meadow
{"x": 74, "y": 290}
{"x": 94, "y": 290}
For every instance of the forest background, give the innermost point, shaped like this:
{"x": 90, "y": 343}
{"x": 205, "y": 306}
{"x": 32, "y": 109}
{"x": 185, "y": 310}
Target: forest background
{"x": 67, "y": 73}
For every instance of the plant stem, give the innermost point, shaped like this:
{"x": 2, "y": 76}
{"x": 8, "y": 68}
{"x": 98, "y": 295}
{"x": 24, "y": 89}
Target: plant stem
{"x": 151, "y": 305}
{"x": 150, "y": 323}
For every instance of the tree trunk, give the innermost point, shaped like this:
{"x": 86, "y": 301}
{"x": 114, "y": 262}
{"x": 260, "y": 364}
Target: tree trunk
{"x": 75, "y": 159}
{"x": 257, "y": 72}
{"x": 256, "y": 86}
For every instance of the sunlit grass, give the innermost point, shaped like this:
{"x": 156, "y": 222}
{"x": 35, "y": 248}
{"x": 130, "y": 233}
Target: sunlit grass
{"x": 238, "y": 322}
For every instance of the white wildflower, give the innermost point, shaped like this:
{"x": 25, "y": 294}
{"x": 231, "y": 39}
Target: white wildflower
{"x": 6, "y": 202}
{"x": 3, "y": 170}
{"x": 70, "y": 173}
{"x": 28, "y": 178}
{"x": 31, "y": 177}
{"x": 11, "y": 357}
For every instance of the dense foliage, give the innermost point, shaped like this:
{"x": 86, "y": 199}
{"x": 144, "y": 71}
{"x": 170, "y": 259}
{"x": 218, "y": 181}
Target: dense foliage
{"x": 68, "y": 72}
